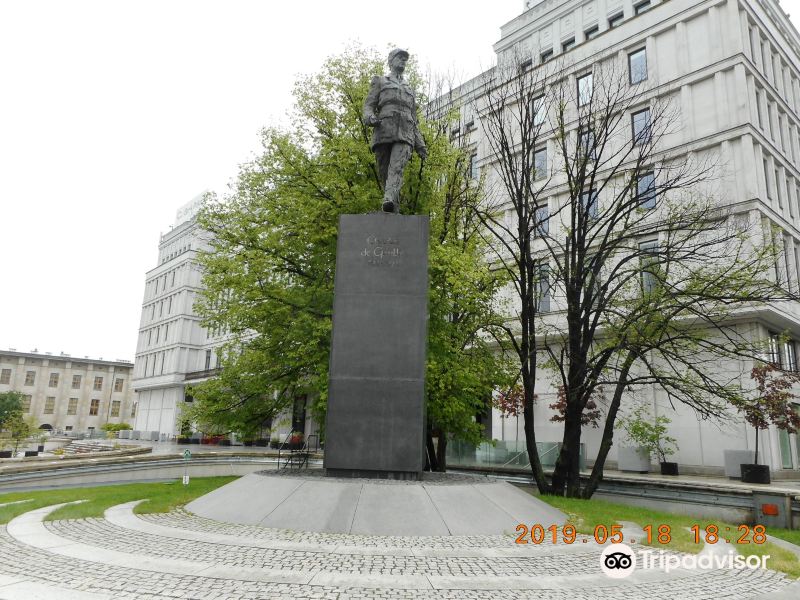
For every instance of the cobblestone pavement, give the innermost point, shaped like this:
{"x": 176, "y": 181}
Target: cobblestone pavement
{"x": 179, "y": 555}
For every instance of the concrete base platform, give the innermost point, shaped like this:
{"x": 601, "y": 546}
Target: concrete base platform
{"x": 438, "y": 505}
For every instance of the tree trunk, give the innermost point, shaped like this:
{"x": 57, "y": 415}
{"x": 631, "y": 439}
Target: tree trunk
{"x": 608, "y": 430}
{"x": 441, "y": 453}
{"x": 566, "y": 474}
{"x": 433, "y": 464}
{"x": 756, "y": 458}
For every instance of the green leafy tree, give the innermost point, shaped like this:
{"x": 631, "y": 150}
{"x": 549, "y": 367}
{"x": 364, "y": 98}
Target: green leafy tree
{"x": 10, "y": 405}
{"x": 20, "y": 428}
{"x": 269, "y": 275}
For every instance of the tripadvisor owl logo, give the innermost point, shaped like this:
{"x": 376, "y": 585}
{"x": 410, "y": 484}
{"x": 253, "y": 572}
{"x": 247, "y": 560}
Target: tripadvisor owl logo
{"x": 618, "y": 561}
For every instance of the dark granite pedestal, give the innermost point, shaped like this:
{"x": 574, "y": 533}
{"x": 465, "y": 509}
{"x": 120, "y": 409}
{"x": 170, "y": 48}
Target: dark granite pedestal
{"x": 376, "y": 401}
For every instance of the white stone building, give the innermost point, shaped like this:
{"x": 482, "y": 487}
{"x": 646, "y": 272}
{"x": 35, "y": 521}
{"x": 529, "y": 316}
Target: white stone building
{"x": 174, "y": 350}
{"x": 172, "y": 347}
{"x": 67, "y": 394}
{"x": 732, "y": 67}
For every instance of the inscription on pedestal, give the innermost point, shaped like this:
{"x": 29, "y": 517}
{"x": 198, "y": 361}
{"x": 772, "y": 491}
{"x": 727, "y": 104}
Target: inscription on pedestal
{"x": 376, "y": 396}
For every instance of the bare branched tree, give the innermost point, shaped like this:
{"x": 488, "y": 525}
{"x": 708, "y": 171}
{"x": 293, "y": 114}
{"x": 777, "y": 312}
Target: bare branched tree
{"x": 594, "y": 209}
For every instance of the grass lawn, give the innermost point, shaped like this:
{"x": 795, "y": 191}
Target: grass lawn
{"x": 160, "y": 497}
{"x": 586, "y": 514}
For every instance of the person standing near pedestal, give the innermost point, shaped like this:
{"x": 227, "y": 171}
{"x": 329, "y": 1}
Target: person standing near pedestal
{"x": 390, "y": 108}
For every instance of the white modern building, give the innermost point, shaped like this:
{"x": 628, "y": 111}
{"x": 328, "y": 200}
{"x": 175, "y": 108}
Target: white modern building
{"x": 732, "y": 67}
{"x": 67, "y": 394}
{"x": 172, "y": 349}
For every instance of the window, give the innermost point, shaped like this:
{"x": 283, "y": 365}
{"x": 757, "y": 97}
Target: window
{"x": 568, "y": 45}
{"x": 615, "y": 20}
{"x": 592, "y": 32}
{"x": 758, "y": 110}
{"x": 526, "y": 64}
{"x": 473, "y": 165}
{"x": 637, "y": 66}
{"x": 68, "y": 428}
{"x": 118, "y": 383}
{"x": 49, "y": 405}
{"x": 30, "y": 377}
{"x": 72, "y": 407}
{"x": 584, "y": 89}
{"x": 543, "y": 288}
{"x": 778, "y": 188}
{"x": 774, "y": 349}
{"x": 94, "y": 408}
{"x": 5, "y": 376}
{"x": 542, "y": 219}
{"x": 53, "y": 380}
{"x": 76, "y": 382}
{"x": 133, "y": 410}
{"x": 26, "y": 404}
{"x": 169, "y": 308}
{"x": 641, "y": 7}
{"x": 540, "y": 163}
{"x": 149, "y": 337}
{"x": 546, "y": 55}
{"x": 208, "y": 359}
{"x": 115, "y": 408}
{"x": 790, "y": 355}
{"x": 649, "y": 266}
{"x": 539, "y": 110}
{"x": 586, "y": 143}
{"x": 640, "y": 123}
{"x": 766, "y": 181}
{"x": 172, "y": 284}
{"x": 588, "y": 204}
{"x": 98, "y": 384}
{"x": 646, "y": 190}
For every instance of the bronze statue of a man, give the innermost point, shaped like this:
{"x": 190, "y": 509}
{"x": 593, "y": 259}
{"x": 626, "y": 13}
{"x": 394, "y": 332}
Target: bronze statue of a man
{"x": 391, "y": 110}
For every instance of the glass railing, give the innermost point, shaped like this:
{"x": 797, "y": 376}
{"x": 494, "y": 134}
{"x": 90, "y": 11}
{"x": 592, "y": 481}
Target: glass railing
{"x": 504, "y": 453}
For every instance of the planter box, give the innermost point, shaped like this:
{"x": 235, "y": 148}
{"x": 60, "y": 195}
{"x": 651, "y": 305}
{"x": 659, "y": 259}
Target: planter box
{"x": 135, "y": 434}
{"x": 755, "y": 473}
{"x": 262, "y": 443}
{"x": 636, "y": 459}
{"x": 6, "y": 454}
{"x": 224, "y": 442}
{"x": 249, "y": 443}
{"x": 125, "y": 434}
{"x": 734, "y": 459}
{"x": 183, "y": 440}
{"x": 669, "y": 468}
{"x": 40, "y": 448}
{"x": 31, "y": 453}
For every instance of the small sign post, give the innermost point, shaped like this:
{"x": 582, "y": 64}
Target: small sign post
{"x": 187, "y": 455}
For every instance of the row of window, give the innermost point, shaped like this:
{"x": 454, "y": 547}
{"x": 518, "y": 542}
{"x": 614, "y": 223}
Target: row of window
{"x": 614, "y": 19}
{"x": 159, "y": 307}
{"x": 157, "y": 334}
{"x": 30, "y": 379}
{"x": 780, "y": 186}
{"x": 153, "y": 363}
{"x": 776, "y": 124}
{"x": 774, "y": 69}
{"x": 648, "y": 268}
{"x": 782, "y": 354}
{"x": 72, "y": 406}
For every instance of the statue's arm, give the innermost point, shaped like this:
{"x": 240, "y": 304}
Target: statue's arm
{"x": 371, "y": 102}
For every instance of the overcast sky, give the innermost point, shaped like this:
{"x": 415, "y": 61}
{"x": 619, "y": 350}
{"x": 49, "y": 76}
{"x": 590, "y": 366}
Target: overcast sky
{"x": 114, "y": 114}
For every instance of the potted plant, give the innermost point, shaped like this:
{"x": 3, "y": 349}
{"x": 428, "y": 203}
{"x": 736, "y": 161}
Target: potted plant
{"x": 42, "y": 440}
{"x": 275, "y": 440}
{"x": 650, "y": 434}
{"x": 296, "y": 439}
{"x": 771, "y": 404}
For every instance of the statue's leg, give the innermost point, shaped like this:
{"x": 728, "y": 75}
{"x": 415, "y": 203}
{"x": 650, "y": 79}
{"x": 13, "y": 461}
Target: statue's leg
{"x": 383, "y": 154}
{"x": 401, "y": 154}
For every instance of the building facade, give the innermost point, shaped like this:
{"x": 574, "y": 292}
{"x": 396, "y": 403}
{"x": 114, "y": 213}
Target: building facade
{"x": 66, "y": 394}
{"x": 172, "y": 349}
{"x": 732, "y": 69}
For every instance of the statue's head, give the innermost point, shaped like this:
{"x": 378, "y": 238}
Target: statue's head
{"x": 397, "y": 59}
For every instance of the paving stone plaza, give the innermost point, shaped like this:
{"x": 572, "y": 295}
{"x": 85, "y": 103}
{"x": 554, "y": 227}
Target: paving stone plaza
{"x": 125, "y": 556}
